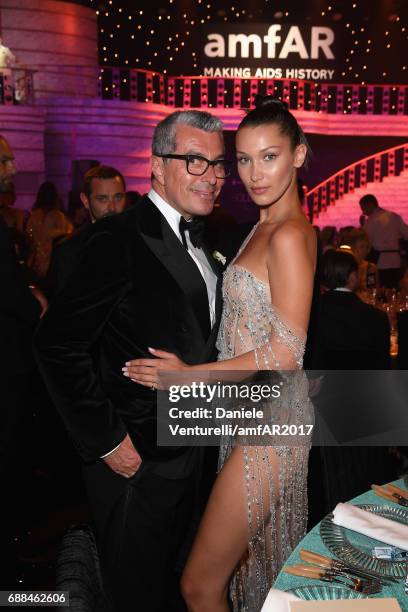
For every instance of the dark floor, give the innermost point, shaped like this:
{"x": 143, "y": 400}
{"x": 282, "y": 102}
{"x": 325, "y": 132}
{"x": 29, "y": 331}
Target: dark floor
{"x": 45, "y": 495}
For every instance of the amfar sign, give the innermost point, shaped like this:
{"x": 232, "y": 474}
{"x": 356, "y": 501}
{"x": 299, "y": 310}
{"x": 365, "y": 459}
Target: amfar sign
{"x": 269, "y": 51}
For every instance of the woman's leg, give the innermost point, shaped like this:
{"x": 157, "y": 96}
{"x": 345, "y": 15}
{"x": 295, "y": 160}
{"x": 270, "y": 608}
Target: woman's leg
{"x": 221, "y": 541}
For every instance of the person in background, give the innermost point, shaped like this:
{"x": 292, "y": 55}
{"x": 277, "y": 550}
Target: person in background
{"x": 20, "y": 311}
{"x": 367, "y": 270}
{"x": 46, "y": 224}
{"x": 7, "y": 58}
{"x": 76, "y": 212}
{"x": 350, "y": 334}
{"x": 13, "y": 217}
{"x": 403, "y": 284}
{"x": 103, "y": 194}
{"x": 132, "y": 198}
{"x": 15, "y": 220}
{"x": 343, "y": 234}
{"x": 402, "y": 322}
{"x": 329, "y": 238}
{"x": 385, "y": 229}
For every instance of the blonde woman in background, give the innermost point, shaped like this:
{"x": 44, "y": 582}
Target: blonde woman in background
{"x": 367, "y": 271}
{"x": 329, "y": 238}
{"x": 47, "y": 224}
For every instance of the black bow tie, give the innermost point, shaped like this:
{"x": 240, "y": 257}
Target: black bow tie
{"x": 195, "y": 228}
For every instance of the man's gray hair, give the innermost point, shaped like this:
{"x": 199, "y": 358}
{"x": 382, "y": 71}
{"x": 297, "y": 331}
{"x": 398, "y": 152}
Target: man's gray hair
{"x": 164, "y": 137}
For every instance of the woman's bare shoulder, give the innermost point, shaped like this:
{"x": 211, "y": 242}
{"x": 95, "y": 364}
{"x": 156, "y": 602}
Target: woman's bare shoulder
{"x": 292, "y": 231}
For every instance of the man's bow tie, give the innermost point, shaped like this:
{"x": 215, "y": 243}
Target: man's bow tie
{"x": 195, "y": 228}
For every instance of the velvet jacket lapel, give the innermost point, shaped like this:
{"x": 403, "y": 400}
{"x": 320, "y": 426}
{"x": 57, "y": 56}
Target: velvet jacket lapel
{"x": 216, "y": 267}
{"x": 162, "y": 241}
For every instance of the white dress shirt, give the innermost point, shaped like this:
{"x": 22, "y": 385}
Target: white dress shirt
{"x": 172, "y": 217}
{"x": 384, "y": 229}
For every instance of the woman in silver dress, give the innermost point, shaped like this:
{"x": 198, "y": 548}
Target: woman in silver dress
{"x": 257, "y": 510}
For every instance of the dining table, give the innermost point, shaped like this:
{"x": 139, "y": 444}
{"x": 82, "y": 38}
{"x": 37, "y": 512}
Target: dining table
{"x": 313, "y": 542}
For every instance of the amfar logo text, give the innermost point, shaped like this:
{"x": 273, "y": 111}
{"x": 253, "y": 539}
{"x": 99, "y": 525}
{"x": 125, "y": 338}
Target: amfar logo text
{"x": 321, "y": 40}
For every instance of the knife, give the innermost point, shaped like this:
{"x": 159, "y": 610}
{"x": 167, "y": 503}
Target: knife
{"x": 396, "y": 498}
{"x": 394, "y": 489}
{"x": 328, "y": 575}
{"x": 329, "y": 562}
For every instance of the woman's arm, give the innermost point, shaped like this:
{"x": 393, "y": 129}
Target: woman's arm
{"x": 291, "y": 272}
{"x": 291, "y": 265}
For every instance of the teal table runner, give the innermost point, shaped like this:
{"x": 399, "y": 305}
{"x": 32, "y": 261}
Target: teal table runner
{"x": 312, "y": 541}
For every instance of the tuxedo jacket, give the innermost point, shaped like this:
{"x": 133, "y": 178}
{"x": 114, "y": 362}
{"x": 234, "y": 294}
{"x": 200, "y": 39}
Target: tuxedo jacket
{"x": 135, "y": 286}
{"x": 350, "y": 334}
{"x": 19, "y": 310}
{"x": 64, "y": 259}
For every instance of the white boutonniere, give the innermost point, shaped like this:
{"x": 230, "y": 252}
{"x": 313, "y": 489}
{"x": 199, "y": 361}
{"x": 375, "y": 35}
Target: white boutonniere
{"x": 219, "y": 257}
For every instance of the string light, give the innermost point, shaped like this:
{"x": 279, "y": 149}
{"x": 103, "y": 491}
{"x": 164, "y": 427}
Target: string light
{"x": 130, "y": 25}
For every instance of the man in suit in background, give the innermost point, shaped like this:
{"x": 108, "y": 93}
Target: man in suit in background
{"x": 144, "y": 279}
{"x": 103, "y": 194}
{"x": 385, "y": 229}
{"x": 350, "y": 333}
{"x": 20, "y": 311}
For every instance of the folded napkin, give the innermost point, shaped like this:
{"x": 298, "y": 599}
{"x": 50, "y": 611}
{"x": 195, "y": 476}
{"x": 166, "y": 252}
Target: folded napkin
{"x": 278, "y": 601}
{"x": 371, "y": 525}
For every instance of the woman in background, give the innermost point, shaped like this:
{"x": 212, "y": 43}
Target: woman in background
{"x": 47, "y": 224}
{"x": 367, "y": 271}
{"x": 329, "y": 238}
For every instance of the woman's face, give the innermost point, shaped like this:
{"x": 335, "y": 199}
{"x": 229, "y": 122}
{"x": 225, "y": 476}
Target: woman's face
{"x": 266, "y": 162}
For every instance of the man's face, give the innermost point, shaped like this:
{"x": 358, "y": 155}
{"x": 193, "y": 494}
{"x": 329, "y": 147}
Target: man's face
{"x": 7, "y": 167}
{"x": 107, "y": 197}
{"x": 190, "y": 195}
{"x": 367, "y": 208}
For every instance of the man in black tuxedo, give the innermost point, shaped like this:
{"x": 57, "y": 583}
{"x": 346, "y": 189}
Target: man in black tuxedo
{"x": 350, "y": 334}
{"x": 20, "y": 310}
{"x": 144, "y": 279}
{"x": 103, "y": 194}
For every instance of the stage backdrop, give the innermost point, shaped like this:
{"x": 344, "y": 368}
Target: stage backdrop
{"x": 330, "y": 154}
{"x": 272, "y": 51}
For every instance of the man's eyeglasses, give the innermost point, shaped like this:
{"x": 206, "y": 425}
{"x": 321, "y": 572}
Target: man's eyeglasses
{"x": 198, "y": 165}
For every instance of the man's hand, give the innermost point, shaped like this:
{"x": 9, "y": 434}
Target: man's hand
{"x": 41, "y": 299}
{"x": 125, "y": 460}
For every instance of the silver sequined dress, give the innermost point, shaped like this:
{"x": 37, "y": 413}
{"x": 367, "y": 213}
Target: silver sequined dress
{"x": 275, "y": 476}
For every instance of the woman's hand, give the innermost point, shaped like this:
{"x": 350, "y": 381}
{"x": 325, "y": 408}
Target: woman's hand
{"x": 146, "y": 371}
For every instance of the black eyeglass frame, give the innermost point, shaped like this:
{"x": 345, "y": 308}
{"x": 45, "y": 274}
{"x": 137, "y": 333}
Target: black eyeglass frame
{"x": 187, "y": 158}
